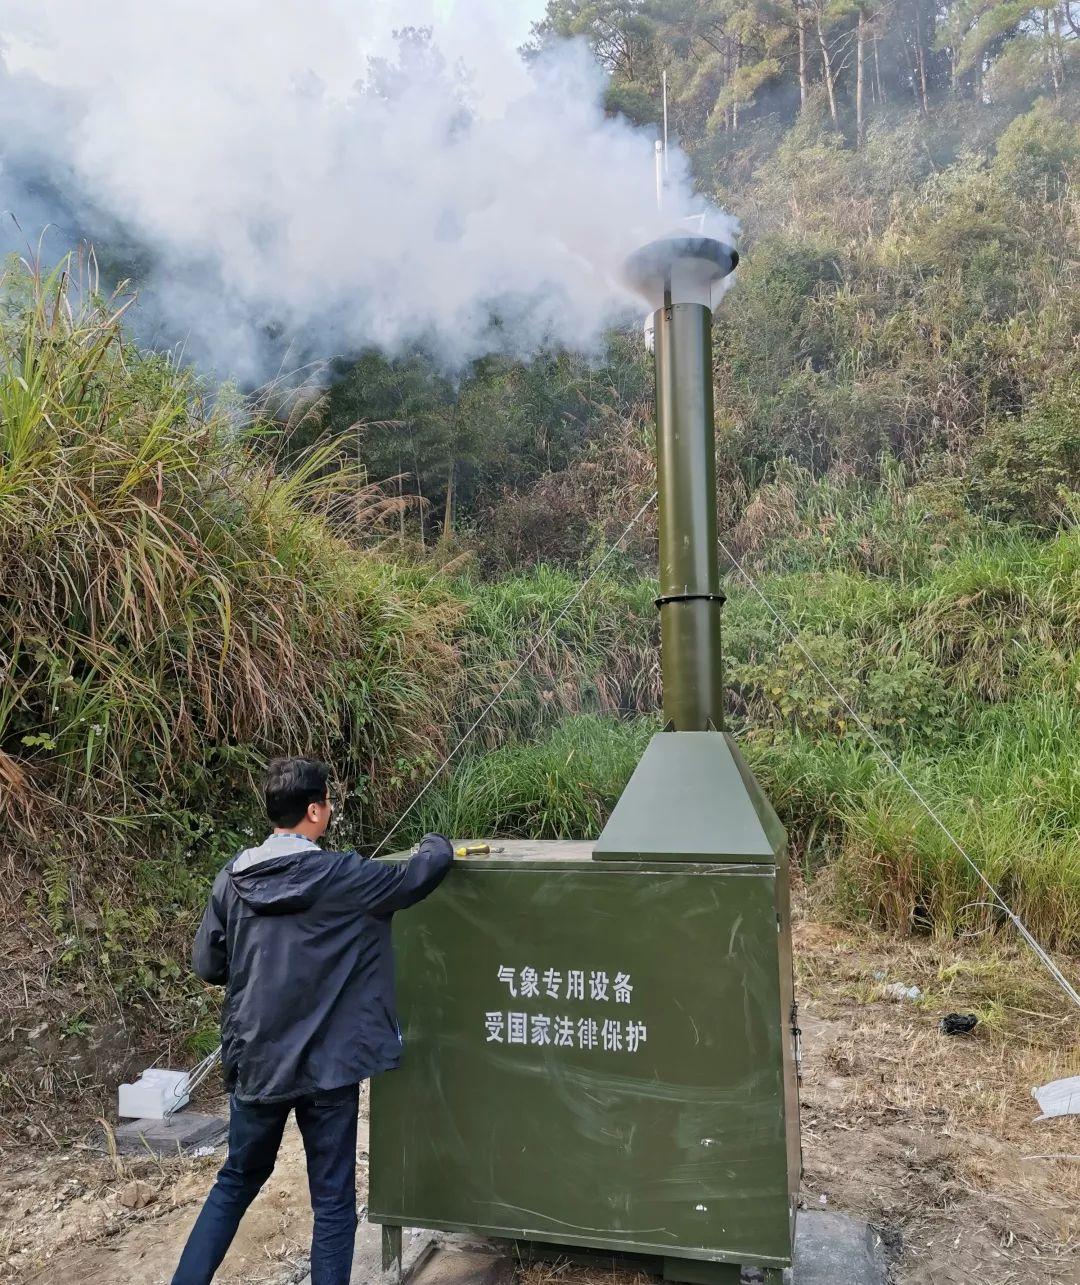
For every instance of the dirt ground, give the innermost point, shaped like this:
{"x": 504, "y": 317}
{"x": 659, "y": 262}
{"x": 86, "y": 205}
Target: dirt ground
{"x": 931, "y": 1138}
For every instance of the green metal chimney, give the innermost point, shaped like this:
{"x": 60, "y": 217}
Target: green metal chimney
{"x": 678, "y": 276}
{"x": 600, "y": 1052}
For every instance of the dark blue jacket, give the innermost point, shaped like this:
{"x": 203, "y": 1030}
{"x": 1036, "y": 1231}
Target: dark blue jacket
{"x": 301, "y": 940}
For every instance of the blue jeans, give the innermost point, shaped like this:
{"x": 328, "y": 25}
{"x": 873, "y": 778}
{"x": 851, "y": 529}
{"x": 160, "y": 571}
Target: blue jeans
{"x": 327, "y": 1124}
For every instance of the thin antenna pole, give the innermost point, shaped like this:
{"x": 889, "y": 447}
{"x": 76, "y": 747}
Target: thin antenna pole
{"x": 664, "y": 81}
{"x": 659, "y": 175}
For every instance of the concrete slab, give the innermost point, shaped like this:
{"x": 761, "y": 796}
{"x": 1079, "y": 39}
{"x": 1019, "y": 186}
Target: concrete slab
{"x": 833, "y": 1247}
{"x": 186, "y": 1131}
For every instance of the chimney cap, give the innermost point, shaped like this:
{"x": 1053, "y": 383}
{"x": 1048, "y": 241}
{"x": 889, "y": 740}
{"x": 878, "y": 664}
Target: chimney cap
{"x": 680, "y": 269}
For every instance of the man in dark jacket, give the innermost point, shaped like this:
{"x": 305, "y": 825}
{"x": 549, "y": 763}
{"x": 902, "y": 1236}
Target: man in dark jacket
{"x": 300, "y": 938}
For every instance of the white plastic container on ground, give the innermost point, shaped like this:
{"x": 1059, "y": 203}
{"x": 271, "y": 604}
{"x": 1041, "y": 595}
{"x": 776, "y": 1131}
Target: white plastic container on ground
{"x": 153, "y": 1094}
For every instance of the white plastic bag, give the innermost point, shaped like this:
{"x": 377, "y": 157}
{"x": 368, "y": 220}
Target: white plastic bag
{"x": 1059, "y": 1097}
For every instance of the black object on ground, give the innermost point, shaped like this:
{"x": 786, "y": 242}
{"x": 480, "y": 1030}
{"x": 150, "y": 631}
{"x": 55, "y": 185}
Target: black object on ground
{"x": 958, "y": 1023}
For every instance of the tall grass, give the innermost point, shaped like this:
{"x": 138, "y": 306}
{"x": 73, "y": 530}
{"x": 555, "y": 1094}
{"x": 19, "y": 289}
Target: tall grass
{"x": 562, "y": 785}
{"x": 600, "y": 658}
{"x": 1008, "y": 791}
{"x": 965, "y": 664}
{"x": 174, "y": 606}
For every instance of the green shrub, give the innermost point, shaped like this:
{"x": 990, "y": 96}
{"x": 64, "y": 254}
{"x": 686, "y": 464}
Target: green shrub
{"x": 1023, "y": 462}
{"x": 600, "y": 658}
{"x": 1037, "y": 152}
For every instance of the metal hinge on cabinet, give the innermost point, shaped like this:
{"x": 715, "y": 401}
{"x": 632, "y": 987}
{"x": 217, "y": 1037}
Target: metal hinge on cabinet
{"x": 796, "y": 1032}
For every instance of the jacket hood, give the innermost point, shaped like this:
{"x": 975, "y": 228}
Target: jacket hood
{"x": 281, "y": 876}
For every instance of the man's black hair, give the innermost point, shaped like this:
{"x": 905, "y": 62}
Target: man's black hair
{"x": 291, "y": 785}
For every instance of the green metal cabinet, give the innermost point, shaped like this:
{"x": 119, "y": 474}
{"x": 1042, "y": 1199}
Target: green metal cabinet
{"x": 599, "y": 1047}
{"x": 600, "y": 1038}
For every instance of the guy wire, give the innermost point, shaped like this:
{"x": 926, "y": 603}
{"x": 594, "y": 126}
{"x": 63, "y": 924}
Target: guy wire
{"x": 524, "y": 661}
{"x": 998, "y": 899}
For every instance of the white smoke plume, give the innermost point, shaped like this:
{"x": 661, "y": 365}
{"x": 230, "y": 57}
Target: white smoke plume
{"x": 297, "y": 173}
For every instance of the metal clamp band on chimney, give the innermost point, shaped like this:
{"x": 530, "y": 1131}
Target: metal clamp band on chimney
{"x": 689, "y": 597}
{"x": 678, "y": 275}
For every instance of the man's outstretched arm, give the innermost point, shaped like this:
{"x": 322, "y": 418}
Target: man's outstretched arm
{"x": 387, "y": 886}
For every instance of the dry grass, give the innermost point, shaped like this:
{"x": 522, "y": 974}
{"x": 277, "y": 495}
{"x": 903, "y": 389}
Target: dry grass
{"x": 182, "y": 596}
{"x": 567, "y": 1274}
{"x": 935, "y": 1136}
{"x": 1028, "y": 1030}
{"x": 175, "y": 600}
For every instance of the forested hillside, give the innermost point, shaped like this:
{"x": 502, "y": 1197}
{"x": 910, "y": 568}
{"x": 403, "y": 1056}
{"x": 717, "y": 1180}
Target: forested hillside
{"x": 908, "y": 286}
{"x": 194, "y": 581}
